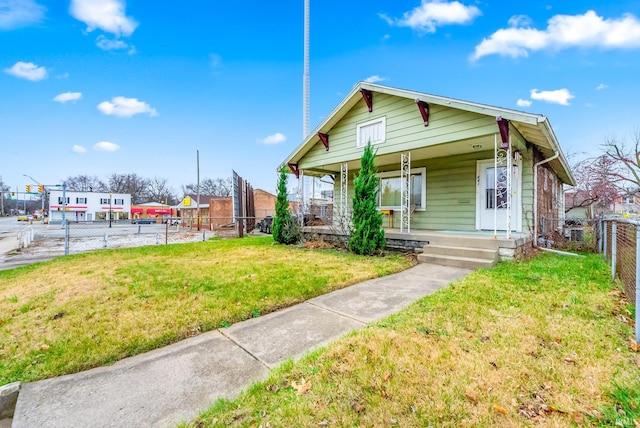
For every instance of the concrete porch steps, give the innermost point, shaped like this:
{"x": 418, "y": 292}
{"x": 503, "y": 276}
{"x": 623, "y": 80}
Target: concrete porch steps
{"x": 458, "y": 256}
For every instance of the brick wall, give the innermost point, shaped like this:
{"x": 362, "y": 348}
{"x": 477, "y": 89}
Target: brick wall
{"x": 221, "y": 211}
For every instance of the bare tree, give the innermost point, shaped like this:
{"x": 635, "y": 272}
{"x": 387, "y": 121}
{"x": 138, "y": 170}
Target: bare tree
{"x": 211, "y": 187}
{"x": 595, "y": 183}
{"x": 86, "y": 183}
{"x": 131, "y": 184}
{"x": 159, "y": 190}
{"x": 626, "y": 158}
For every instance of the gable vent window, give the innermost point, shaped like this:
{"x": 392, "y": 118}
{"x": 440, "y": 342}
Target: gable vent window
{"x": 373, "y": 130}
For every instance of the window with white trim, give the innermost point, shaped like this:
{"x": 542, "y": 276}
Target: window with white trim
{"x": 60, "y": 200}
{"x": 104, "y": 201}
{"x": 118, "y": 201}
{"x": 81, "y": 200}
{"x": 391, "y": 191}
{"x": 373, "y": 131}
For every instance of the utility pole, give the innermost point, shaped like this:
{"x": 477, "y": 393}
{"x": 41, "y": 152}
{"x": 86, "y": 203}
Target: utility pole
{"x": 198, "y": 187}
{"x": 1, "y": 197}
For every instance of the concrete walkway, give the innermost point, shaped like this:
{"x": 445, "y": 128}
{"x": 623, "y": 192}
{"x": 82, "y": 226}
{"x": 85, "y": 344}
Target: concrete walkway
{"x": 175, "y": 383}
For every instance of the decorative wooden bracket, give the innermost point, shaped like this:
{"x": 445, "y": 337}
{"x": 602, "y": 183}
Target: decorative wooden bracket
{"x": 325, "y": 139}
{"x": 424, "y": 111}
{"x": 503, "y": 126}
{"x": 368, "y": 98}
{"x": 294, "y": 168}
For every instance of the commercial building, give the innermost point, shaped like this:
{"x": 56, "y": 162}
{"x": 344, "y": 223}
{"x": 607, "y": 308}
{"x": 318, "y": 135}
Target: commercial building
{"x": 89, "y": 206}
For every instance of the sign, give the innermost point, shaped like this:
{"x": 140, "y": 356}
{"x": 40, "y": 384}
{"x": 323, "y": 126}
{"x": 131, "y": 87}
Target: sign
{"x": 186, "y": 201}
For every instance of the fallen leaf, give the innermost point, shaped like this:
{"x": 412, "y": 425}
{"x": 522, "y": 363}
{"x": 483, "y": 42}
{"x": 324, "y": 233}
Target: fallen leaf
{"x": 386, "y": 377}
{"x": 302, "y": 387}
{"x": 493, "y": 364}
{"x": 485, "y": 339}
{"x": 44, "y": 346}
{"x": 472, "y": 397}
{"x": 577, "y": 418}
{"x": 357, "y": 407}
{"x": 569, "y": 360}
{"x": 633, "y": 344}
{"x": 637, "y": 422}
{"x": 498, "y": 408}
{"x": 323, "y": 423}
{"x": 557, "y": 340}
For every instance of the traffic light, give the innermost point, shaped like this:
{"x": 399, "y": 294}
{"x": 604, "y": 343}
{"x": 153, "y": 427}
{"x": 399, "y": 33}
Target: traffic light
{"x": 40, "y": 188}
{"x": 28, "y": 188}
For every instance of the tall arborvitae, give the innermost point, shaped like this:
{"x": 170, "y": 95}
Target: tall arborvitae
{"x": 367, "y": 235}
{"x": 284, "y": 229}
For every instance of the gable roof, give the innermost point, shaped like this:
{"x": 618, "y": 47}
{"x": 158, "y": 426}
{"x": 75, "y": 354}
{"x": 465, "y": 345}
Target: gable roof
{"x": 535, "y": 128}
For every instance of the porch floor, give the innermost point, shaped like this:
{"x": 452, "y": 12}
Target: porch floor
{"x": 418, "y": 238}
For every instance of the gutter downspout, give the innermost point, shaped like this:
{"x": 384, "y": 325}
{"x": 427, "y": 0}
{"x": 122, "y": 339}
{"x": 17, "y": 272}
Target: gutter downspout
{"x": 535, "y": 195}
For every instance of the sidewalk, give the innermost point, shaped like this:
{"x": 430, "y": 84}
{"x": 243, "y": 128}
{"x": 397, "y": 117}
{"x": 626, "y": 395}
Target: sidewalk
{"x": 175, "y": 383}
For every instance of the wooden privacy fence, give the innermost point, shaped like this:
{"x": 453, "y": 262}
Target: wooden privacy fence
{"x": 620, "y": 244}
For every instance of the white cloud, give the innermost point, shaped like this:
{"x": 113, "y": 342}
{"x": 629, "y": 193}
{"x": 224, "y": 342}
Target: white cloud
{"x": 110, "y": 45}
{"x": 105, "y": 146}
{"x": 562, "y": 32}
{"x": 78, "y": 149}
{"x": 63, "y": 76}
{"x": 27, "y": 70}
{"x": 375, "y": 79}
{"x": 20, "y": 13}
{"x": 106, "y": 15}
{"x": 432, "y": 14}
{"x": 520, "y": 21}
{"x": 523, "y": 103}
{"x": 559, "y": 96}
{"x": 276, "y": 138}
{"x": 67, "y": 96}
{"x": 126, "y": 107}
{"x": 601, "y": 87}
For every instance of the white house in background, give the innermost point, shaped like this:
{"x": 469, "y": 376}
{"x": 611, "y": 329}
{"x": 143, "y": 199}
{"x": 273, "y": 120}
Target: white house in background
{"x": 89, "y": 206}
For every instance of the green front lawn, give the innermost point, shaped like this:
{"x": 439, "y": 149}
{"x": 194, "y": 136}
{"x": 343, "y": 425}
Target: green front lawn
{"x": 541, "y": 343}
{"x": 88, "y": 310}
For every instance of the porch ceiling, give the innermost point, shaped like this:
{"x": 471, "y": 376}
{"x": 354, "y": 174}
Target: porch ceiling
{"x": 441, "y": 150}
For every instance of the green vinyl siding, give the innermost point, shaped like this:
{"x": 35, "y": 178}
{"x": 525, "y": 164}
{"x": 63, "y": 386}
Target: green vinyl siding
{"x": 404, "y": 130}
{"x": 451, "y": 193}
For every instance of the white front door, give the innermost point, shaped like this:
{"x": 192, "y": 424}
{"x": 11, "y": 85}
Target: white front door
{"x": 487, "y": 216}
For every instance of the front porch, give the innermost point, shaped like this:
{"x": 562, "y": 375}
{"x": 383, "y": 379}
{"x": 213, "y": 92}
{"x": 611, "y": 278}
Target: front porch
{"x": 442, "y": 246}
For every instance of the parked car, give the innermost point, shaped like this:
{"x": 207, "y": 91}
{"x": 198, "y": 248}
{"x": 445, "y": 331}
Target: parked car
{"x": 265, "y": 225}
{"x": 143, "y": 221}
{"x": 172, "y": 221}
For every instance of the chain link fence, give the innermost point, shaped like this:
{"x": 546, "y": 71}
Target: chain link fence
{"x": 52, "y": 240}
{"x": 569, "y": 234}
{"x": 620, "y": 246}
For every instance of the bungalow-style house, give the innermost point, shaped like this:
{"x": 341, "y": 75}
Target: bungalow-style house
{"x": 452, "y": 173}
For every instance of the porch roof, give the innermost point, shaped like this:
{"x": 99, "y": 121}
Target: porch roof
{"x": 535, "y": 128}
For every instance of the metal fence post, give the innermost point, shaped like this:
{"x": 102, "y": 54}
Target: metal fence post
{"x": 637, "y": 283}
{"x": 104, "y": 240}
{"x": 600, "y": 228}
{"x": 157, "y": 238}
{"x": 204, "y": 236}
{"x": 604, "y": 238}
{"x": 65, "y": 225}
{"x": 613, "y": 249}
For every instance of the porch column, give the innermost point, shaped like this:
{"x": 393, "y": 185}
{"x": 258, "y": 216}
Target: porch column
{"x": 344, "y": 191}
{"x": 300, "y": 197}
{"x": 405, "y": 192}
{"x": 502, "y": 185}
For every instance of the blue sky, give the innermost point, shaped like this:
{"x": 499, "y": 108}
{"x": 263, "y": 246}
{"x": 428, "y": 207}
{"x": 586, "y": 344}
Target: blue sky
{"x": 101, "y": 86}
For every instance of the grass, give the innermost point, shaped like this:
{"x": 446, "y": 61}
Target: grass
{"x": 545, "y": 342}
{"x": 89, "y": 310}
